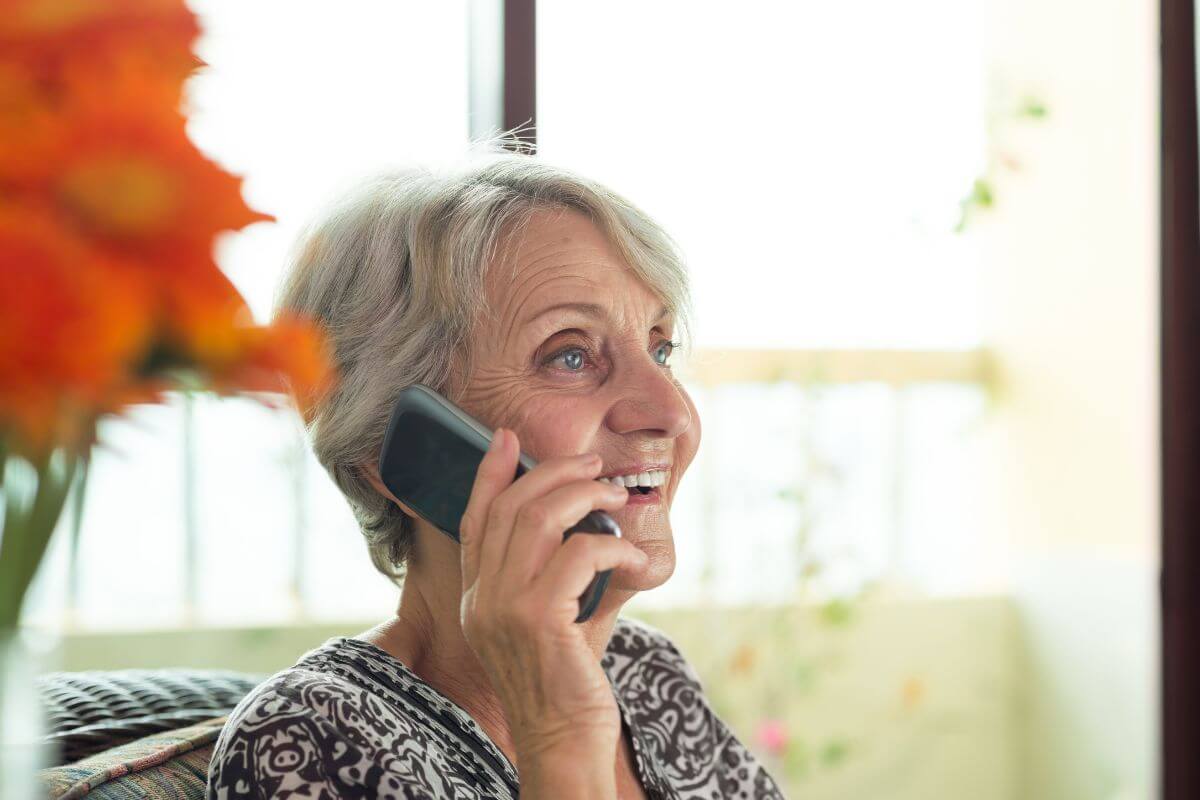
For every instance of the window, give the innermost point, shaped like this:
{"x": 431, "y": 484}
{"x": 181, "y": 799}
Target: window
{"x": 815, "y": 194}
{"x": 810, "y": 166}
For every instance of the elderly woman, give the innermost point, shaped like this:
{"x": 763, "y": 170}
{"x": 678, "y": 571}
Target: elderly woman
{"x": 545, "y": 306}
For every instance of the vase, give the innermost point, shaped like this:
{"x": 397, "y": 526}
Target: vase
{"x": 24, "y": 654}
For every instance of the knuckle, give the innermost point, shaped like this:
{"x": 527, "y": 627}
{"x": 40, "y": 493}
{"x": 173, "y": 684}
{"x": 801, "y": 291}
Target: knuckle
{"x": 535, "y": 515}
{"x": 604, "y": 546}
{"x": 583, "y": 544}
{"x": 499, "y": 511}
{"x": 572, "y": 463}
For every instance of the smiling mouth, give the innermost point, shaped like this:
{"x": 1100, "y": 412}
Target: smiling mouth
{"x": 644, "y": 495}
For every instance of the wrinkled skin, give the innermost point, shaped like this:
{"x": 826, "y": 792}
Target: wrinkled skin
{"x": 485, "y": 642}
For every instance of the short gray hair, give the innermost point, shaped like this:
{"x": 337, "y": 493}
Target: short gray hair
{"x": 394, "y": 273}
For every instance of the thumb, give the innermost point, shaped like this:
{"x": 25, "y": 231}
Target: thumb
{"x": 496, "y": 471}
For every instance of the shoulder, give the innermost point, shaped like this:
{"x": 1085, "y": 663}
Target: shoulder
{"x": 638, "y": 648}
{"x": 308, "y": 732}
{"x": 667, "y": 706}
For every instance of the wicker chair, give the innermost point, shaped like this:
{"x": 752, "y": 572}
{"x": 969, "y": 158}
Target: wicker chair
{"x": 88, "y": 712}
{"x": 108, "y": 726}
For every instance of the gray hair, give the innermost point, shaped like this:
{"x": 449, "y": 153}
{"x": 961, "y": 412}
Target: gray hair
{"x": 394, "y": 273}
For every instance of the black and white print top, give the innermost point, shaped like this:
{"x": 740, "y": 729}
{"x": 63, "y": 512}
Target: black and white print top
{"x": 349, "y": 720}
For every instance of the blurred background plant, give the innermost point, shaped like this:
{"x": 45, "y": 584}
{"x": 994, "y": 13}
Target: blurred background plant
{"x": 1004, "y": 112}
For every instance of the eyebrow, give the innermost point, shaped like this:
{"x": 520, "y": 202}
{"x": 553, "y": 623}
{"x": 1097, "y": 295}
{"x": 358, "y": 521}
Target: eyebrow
{"x": 590, "y": 309}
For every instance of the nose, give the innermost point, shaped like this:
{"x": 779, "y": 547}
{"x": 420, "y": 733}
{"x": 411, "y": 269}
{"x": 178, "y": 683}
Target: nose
{"x": 648, "y": 399}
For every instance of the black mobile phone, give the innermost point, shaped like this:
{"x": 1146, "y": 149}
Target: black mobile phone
{"x": 430, "y": 454}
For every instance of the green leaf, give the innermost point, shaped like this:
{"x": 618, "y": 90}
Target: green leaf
{"x": 837, "y": 613}
{"x": 834, "y": 752}
{"x": 805, "y": 677}
{"x": 797, "y": 758}
{"x": 1033, "y": 108}
{"x": 981, "y": 193}
{"x": 27, "y": 530}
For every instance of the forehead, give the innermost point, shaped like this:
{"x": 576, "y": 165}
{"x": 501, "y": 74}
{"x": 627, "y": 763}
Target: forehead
{"x": 560, "y": 256}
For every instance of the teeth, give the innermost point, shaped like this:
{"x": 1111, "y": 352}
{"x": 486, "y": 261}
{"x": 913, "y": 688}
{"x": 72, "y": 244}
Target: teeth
{"x": 652, "y": 478}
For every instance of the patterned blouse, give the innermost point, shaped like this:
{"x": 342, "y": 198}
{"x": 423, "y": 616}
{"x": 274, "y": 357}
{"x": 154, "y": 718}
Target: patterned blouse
{"x": 350, "y": 720}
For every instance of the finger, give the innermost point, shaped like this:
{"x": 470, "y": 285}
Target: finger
{"x": 576, "y": 563}
{"x": 543, "y": 478}
{"x": 494, "y": 475}
{"x": 540, "y": 524}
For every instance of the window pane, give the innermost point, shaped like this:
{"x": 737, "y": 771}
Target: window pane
{"x": 817, "y": 492}
{"x": 304, "y": 98}
{"x": 131, "y": 544}
{"x": 244, "y": 512}
{"x": 805, "y": 155}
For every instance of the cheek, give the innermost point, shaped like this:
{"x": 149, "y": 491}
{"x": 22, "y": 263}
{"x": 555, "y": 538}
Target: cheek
{"x": 548, "y": 423}
{"x": 548, "y": 428}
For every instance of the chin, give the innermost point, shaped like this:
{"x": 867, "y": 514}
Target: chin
{"x": 657, "y": 570}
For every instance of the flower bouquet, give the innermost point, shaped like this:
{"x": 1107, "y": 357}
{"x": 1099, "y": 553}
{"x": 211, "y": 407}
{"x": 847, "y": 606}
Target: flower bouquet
{"x": 109, "y": 293}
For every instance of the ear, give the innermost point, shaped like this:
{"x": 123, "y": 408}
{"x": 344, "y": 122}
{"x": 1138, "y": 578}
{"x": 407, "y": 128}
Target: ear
{"x": 372, "y": 475}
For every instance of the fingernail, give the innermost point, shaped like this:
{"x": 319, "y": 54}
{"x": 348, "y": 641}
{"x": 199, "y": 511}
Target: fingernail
{"x": 497, "y": 440}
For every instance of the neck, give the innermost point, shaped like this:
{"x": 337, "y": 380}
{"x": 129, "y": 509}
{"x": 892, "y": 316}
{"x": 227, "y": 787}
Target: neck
{"x": 426, "y": 634}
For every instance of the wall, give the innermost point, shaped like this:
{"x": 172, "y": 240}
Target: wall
{"x": 1070, "y": 302}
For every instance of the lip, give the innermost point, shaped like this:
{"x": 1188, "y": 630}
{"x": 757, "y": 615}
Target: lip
{"x": 635, "y": 468}
{"x": 653, "y": 497}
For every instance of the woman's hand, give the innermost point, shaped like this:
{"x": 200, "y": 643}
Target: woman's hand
{"x": 521, "y": 585}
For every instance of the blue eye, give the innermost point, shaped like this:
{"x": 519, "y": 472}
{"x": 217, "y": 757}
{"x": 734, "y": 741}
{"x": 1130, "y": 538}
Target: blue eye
{"x": 579, "y": 354}
{"x": 575, "y": 357}
{"x": 671, "y": 345}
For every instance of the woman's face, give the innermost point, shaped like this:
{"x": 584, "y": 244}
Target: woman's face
{"x": 569, "y": 381}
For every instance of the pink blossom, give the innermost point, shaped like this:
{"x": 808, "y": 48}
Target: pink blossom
{"x": 773, "y": 736}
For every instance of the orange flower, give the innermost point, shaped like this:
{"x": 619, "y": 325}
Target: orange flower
{"x": 72, "y": 322}
{"x": 41, "y": 32}
{"x": 27, "y": 121}
{"x": 49, "y": 23}
{"x": 290, "y": 355}
{"x": 83, "y": 334}
{"x": 109, "y": 295}
{"x": 912, "y": 692}
{"x": 203, "y": 313}
{"x": 118, "y": 212}
{"x": 118, "y": 165}
{"x": 743, "y": 660}
{"x": 207, "y": 324}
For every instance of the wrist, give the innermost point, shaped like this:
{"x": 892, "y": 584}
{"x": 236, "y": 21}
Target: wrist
{"x": 578, "y": 772}
{"x": 568, "y": 784}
